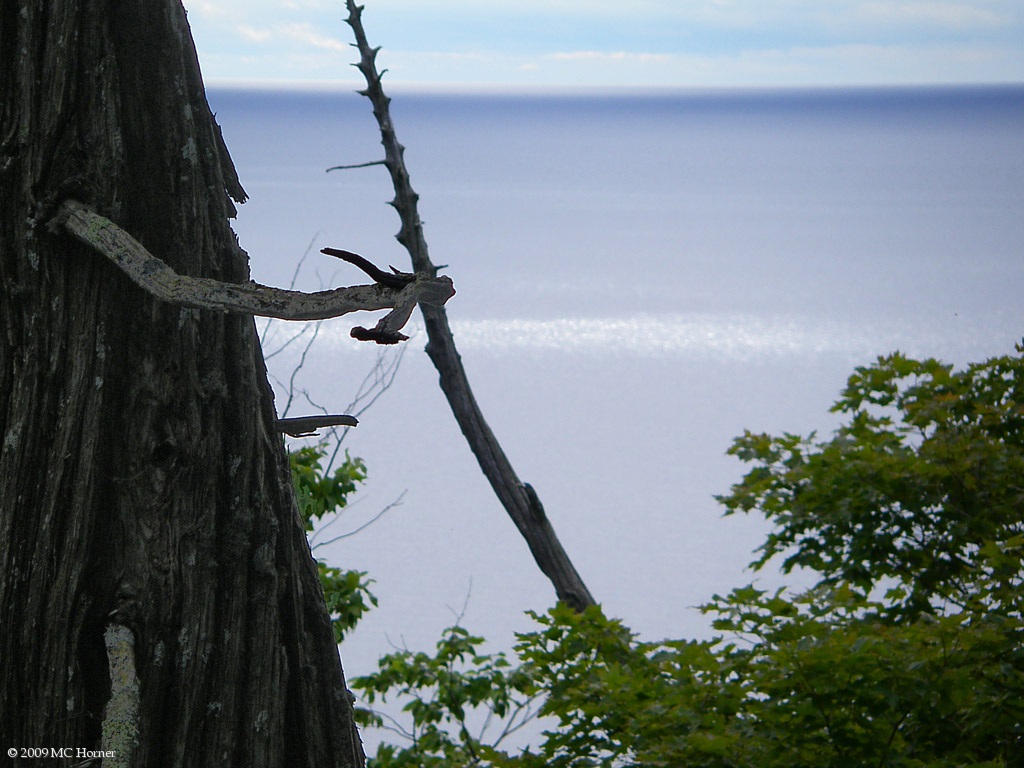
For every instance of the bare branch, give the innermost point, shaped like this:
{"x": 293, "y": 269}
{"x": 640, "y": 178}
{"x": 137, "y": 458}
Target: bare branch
{"x": 396, "y": 503}
{"x": 299, "y": 366}
{"x": 376, "y": 382}
{"x": 397, "y": 280}
{"x": 304, "y": 331}
{"x": 519, "y": 501}
{"x": 356, "y": 165}
{"x": 265, "y": 333}
{"x": 304, "y": 426}
{"x": 156, "y": 277}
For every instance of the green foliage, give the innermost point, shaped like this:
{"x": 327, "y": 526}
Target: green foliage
{"x": 320, "y": 493}
{"x": 621, "y": 702}
{"x": 808, "y": 685}
{"x": 848, "y": 688}
{"x": 908, "y": 652}
{"x": 927, "y": 473}
{"x": 348, "y": 597}
{"x": 445, "y": 693}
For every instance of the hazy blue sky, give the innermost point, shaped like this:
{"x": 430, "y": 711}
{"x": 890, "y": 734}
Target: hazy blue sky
{"x": 619, "y": 42}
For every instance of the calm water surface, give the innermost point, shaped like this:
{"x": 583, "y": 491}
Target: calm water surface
{"x": 639, "y": 279}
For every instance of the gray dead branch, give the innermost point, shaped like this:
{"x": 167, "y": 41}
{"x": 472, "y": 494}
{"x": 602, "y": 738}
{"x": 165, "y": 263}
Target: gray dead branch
{"x": 155, "y": 276}
{"x": 518, "y": 498}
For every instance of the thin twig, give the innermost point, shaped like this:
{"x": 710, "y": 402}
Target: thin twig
{"x": 357, "y": 165}
{"x": 265, "y": 333}
{"x": 395, "y": 727}
{"x": 306, "y": 329}
{"x": 298, "y": 367}
{"x": 396, "y": 503}
{"x": 383, "y": 378}
{"x": 529, "y": 714}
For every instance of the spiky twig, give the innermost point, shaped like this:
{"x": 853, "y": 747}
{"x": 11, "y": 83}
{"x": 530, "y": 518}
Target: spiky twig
{"x": 519, "y": 500}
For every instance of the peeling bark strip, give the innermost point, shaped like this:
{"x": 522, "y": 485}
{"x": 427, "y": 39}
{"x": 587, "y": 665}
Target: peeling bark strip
{"x": 121, "y": 715}
{"x": 152, "y": 274}
{"x": 519, "y": 499}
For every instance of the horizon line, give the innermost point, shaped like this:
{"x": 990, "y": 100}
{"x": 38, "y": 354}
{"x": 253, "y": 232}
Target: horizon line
{"x": 566, "y": 89}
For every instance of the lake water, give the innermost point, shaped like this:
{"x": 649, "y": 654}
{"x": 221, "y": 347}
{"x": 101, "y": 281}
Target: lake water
{"x": 640, "y": 278}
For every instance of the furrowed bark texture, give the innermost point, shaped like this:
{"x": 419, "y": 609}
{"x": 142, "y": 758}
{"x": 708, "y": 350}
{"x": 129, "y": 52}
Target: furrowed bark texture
{"x": 518, "y": 499}
{"x": 145, "y": 491}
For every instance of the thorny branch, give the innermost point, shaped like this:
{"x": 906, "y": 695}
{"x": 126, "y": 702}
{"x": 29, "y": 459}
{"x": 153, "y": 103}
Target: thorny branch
{"x": 519, "y": 500}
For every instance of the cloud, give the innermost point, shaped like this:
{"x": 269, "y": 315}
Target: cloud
{"x": 951, "y": 15}
{"x": 252, "y": 34}
{"x": 606, "y": 42}
{"x": 314, "y": 5}
{"x": 611, "y": 56}
{"x": 209, "y": 9}
{"x": 602, "y": 7}
{"x": 307, "y": 34}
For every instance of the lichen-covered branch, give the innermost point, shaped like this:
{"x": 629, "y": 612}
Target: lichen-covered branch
{"x": 156, "y": 277}
{"x": 518, "y": 498}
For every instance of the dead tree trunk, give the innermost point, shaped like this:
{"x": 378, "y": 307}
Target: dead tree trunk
{"x": 157, "y": 594}
{"x": 519, "y": 499}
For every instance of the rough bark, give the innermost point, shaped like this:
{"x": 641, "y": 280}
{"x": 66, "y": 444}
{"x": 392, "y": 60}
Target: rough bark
{"x": 146, "y": 514}
{"x": 519, "y": 499}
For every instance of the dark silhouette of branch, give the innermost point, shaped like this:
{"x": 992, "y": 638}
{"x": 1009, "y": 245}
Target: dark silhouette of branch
{"x": 519, "y": 499}
{"x": 355, "y": 165}
{"x": 305, "y": 426}
{"x": 394, "y": 279}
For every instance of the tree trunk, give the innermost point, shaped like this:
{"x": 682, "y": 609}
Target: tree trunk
{"x": 157, "y": 595}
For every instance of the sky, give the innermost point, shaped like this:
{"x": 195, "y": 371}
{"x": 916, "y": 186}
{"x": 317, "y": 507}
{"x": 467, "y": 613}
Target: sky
{"x": 616, "y": 43}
